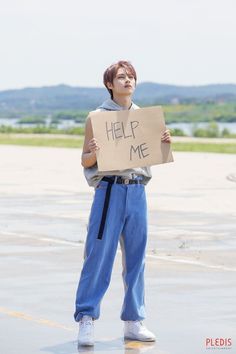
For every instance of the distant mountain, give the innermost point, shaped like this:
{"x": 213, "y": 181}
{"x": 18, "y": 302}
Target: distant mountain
{"x": 152, "y": 93}
{"x": 50, "y": 99}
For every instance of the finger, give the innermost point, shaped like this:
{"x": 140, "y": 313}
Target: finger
{"x": 93, "y": 141}
{"x": 94, "y": 147}
{"x": 166, "y": 140}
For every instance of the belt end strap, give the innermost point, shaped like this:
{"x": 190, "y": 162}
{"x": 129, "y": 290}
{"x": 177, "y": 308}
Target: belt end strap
{"x": 105, "y": 209}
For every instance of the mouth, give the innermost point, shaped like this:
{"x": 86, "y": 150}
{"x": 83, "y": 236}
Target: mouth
{"x": 128, "y": 86}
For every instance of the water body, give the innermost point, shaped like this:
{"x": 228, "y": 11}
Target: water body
{"x": 14, "y": 122}
{"x": 187, "y": 128}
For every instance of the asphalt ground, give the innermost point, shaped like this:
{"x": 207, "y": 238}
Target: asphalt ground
{"x": 185, "y": 304}
{"x": 190, "y": 262}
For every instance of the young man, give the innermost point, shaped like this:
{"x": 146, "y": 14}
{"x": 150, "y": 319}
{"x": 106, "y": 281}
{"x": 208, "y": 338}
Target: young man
{"x": 118, "y": 214}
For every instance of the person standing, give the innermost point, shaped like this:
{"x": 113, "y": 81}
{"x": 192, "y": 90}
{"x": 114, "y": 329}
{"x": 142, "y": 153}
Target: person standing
{"x": 118, "y": 214}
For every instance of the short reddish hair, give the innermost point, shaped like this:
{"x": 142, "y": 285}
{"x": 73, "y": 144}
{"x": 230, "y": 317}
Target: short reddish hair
{"x": 111, "y": 71}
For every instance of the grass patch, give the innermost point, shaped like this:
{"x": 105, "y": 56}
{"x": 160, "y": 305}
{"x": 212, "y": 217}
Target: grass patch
{"x": 77, "y": 142}
{"x": 46, "y": 142}
{"x": 205, "y": 147}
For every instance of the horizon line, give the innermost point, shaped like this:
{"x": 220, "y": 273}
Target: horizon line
{"x": 103, "y": 87}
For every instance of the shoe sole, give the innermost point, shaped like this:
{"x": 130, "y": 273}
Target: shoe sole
{"x": 85, "y": 344}
{"x": 141, "y": 340}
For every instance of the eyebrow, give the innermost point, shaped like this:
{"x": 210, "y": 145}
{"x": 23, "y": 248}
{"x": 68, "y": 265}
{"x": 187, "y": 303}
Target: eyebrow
{"x": 129, "y": 74}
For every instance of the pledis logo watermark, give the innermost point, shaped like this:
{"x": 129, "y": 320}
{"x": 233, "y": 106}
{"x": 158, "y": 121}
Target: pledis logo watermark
{"x": 218, "y": 343}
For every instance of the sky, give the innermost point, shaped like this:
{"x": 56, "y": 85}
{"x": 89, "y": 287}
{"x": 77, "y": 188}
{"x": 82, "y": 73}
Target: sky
{"x": 181, "y": 42}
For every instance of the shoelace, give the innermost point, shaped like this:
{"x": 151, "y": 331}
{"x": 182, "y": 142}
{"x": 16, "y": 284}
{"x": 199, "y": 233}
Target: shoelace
{"x": 86, "y": 323}
{"x": 140, "y": 322}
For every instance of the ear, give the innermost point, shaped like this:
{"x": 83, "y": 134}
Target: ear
{"x": 109, "y": 85}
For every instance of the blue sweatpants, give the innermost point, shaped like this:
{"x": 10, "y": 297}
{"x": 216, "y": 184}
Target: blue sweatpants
{"x": 126, "y": 221}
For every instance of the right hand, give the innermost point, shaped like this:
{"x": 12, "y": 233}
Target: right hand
{"x": 93, "y": 145}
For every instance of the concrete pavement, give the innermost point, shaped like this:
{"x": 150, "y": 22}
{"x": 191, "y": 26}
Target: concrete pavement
{"x": 190, "y": 263}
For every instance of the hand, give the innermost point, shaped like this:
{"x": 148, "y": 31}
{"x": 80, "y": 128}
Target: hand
{"x": 166, "y": 137}
{"x": 92, "y": 145}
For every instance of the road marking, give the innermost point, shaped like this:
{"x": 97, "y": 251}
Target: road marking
{"x": 134, "y": 344}
{"x": 148, "y": 256}
{"x": 42, "y": 238}
{"x": 41, "y": 321}
{"x": 128, "y": 344}
{"x": 187, "y": 261}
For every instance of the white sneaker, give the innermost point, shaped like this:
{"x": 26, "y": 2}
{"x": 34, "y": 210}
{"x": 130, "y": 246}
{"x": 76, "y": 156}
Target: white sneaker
{"x": 86, "y": 331}
{"x": 137, "y": 331}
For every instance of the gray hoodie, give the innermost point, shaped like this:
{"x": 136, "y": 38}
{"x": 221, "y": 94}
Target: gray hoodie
{"x": 110, "y": 105}
{"x": 93, "y": 176}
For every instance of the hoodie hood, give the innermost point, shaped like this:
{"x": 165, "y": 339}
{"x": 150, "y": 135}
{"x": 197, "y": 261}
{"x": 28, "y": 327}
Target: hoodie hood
{"x": 110, "y": 105}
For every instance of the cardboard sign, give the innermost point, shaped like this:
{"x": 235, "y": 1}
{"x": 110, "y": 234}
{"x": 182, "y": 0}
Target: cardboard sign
{"x": 130, "y": 138}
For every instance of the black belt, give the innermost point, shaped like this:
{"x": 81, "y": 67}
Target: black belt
{"x": 122, "y": 180}
{"x": 111, "y": 180}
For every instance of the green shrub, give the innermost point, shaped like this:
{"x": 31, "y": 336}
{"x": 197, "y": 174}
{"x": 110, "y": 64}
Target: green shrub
{"x": 225, "y": 132}
{"x": 177, "y": 132}
{"x": 212, "y": 131}
{"x": 32, "y": 120}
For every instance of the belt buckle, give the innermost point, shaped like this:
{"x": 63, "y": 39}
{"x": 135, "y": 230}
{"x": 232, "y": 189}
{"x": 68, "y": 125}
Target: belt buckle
{"x": 126, "y": 181}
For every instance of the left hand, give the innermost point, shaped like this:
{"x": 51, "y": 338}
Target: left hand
{"x": 166, "y": 137}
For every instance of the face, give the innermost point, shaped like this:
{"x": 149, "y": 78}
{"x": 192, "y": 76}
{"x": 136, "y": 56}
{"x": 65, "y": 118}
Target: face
{"x": 123, "y": 83}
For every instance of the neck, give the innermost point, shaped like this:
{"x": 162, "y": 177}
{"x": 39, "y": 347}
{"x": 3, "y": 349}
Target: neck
{"x": 123, "y": 101}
